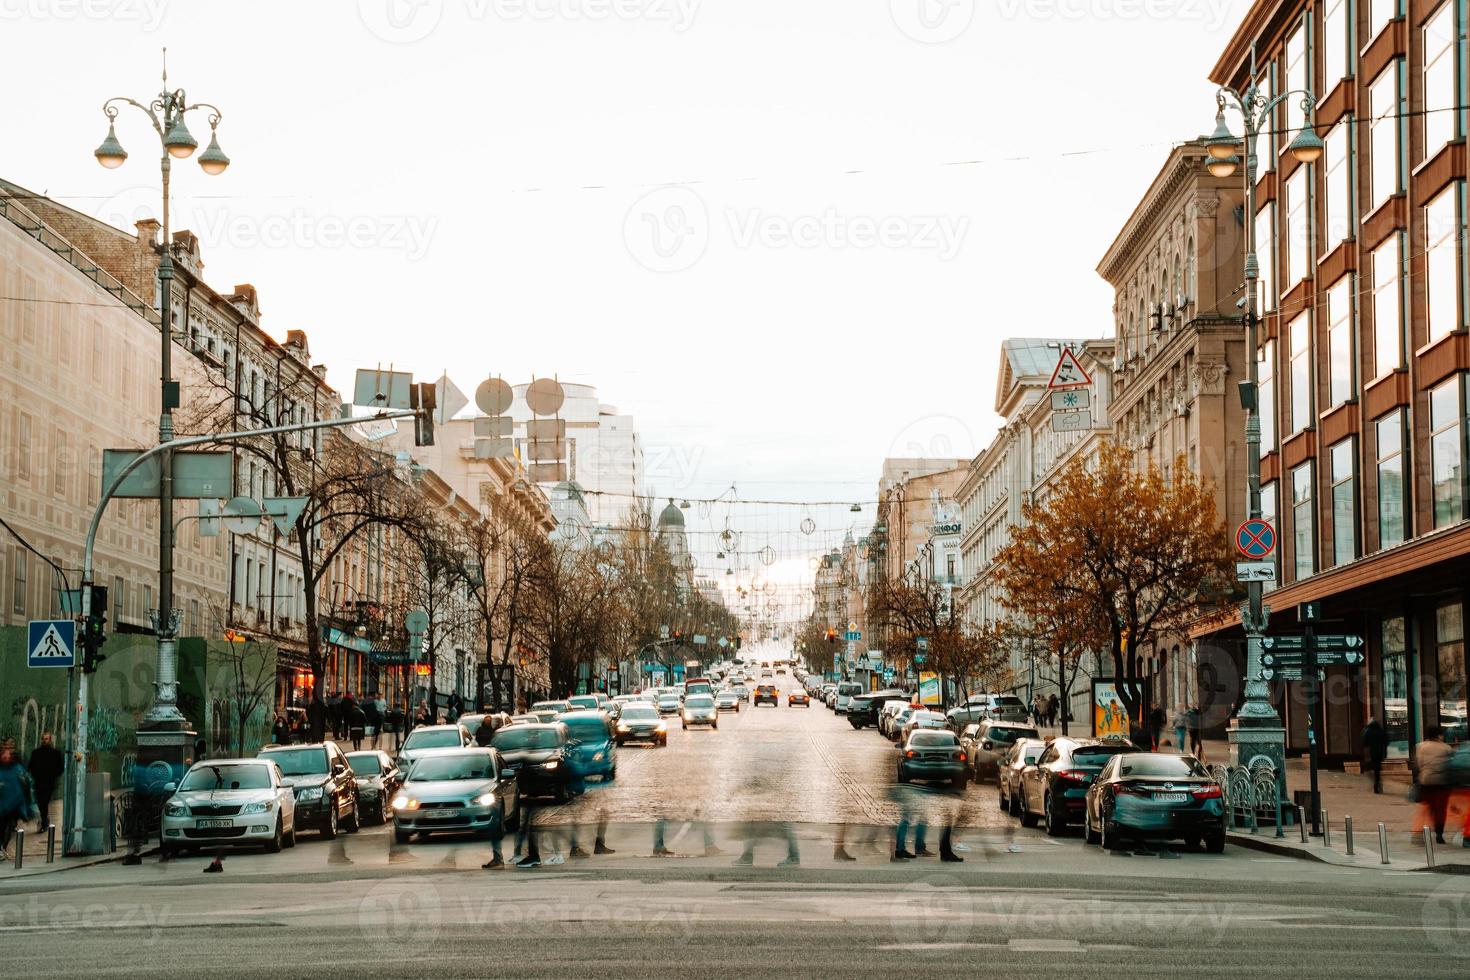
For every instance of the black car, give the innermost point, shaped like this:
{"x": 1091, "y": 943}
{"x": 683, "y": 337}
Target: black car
{"x": 378, "y": 779}
{"x": 933, "y": 755}
{"x": 324, "y": 785}
{"x": 863, "y": 709}
{"x": 1055, "y": 789}
{"x": 1151, "y": 795}
{"x": 539, "y": 755}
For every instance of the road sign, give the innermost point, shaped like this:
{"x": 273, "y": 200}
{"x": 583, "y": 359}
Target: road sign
{"x": 1255, "y": 538}
{"x": 1281, "y": 673}
{"x": 1283, "y": 642}
{"x": 1079, "y": 421}
{"x": 1339, "y": 658}
{"x": 1070, "y": 399}
{"x": 1255, "y": 571}
{"x": 1309, "y": 612}
{"x": 1289, "y": 659}
{"x": 1068, "y": 372}
{"x": 52, "y": 643}
{"x": 922, "y": 644}
{"x": 663, "y": 631}
{"x": 853, "y": 635}
{"x": 1331, "y": 641}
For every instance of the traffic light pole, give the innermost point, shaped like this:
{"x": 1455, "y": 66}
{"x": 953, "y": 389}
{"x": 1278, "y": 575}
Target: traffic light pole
{"x": 166, "y": 691}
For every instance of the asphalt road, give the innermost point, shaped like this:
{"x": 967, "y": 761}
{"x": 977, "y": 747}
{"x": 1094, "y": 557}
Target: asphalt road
{"x": 361, "y": 906}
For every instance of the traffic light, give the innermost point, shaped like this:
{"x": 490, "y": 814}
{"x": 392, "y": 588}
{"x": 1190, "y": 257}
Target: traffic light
{"x": 423, "y": 398}
{"x": 831, "y": 635}
{"x": 94, "y": 630}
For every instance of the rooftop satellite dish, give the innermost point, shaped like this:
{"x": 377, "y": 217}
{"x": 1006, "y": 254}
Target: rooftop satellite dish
{"x": 241, "y": 515}
{"x": 545, "y": 396}
{"x": 493, "y": 396}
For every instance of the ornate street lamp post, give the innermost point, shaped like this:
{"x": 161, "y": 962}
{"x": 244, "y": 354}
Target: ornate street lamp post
{"x": 1257, "y": 733}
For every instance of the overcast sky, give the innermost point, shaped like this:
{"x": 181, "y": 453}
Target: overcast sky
{"x": 787, "y": 235}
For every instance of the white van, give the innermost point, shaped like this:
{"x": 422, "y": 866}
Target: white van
{"x": 845, "y": 691}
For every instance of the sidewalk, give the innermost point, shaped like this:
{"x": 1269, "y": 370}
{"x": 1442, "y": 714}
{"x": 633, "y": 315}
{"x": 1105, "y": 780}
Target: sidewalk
{"x": 34, "y": 862}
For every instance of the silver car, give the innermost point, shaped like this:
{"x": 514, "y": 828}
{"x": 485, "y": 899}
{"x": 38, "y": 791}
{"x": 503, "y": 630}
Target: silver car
{"x": 465, "y": 791}
{"x": 429, "y": 739}
{"x": 668, "y": 704}
{"x": 727, "y": 700}
{"x": 229, "y": 801}
{"x": 699, "y": 709}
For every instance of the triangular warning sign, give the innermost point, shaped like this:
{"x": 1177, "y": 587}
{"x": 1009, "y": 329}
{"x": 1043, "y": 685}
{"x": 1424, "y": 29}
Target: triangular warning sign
{"x": 1068, "y": 373}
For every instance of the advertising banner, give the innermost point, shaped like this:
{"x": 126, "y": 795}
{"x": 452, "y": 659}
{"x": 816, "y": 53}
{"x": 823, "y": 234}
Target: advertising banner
{"x": 928, "y": 687}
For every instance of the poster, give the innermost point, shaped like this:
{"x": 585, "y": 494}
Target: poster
{"x": 928, "y": 688}
{"x": 1109, "y": 717}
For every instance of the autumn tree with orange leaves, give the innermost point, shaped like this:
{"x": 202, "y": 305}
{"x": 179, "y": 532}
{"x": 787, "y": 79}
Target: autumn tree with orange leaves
{"x": 1115, "y": 553}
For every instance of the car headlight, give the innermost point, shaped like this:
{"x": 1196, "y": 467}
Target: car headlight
{"x": 485, "y": 799}
{"x": 597, "y": 757}
{"x": 552, "y": 764}
{"x": 262, "y": 807}
{"x": 173, "y": 809}
{"x": 309, "y": 793}
{"x": 623, "y": 728}
{"x": 662, "y": 727}
{"x": 405, "y": 802}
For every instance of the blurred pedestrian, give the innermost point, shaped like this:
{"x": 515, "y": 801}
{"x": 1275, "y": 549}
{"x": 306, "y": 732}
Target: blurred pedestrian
{"x": 1196, "y": 743}
{"x": 1458, "y": 770}
{"x": 373, "y": 720}
{"x": 1180, "y": 724}
{"x": 45, "y": 766}
{"x": 281, "y": 731}
{"x": 779, "y": 830}
{"x": 1432, "y": 783}
{"x": 1156, "y": 721}
{"x": 1375, "y": 750}
{"x": 1053, "y": 705}
{"x": 17, "y": 796}
{"x": 356, "y": 724}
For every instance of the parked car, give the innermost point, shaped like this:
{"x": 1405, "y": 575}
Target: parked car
{"x": 557, "y": 706}
{"x": 538, "y": 756}
{"x": 992, "y": 740}
{"x": 766, "y": 693}
{"x": 863, "y": 709}
{"x": 933, "y": 754}
{"x": 1022, "y": 755}
{"x": 987, "y": 707}
{"x": 641, "y": 723}
{"x": 845, "y": 692}
{"x": 1155, "y": 796}
{"x": 919, "y": 719}
{"x": 427, "y": 739}
{"x": 378, "y": 778}
{"x": 827, "y": 693}
{"x": 800, "y": 697}
{"x": 464, "y": 790}
{"x": 890, "y": 710}
{"x": 727, "y": 700}
{"x": 323, "y": 784}
{"x": 1055, "y": 789}
{"x": 699, "y": 709}
{"x": 591, "y": 748}
{"x": 900, "y": 717}
{"x": 239, "y": 802}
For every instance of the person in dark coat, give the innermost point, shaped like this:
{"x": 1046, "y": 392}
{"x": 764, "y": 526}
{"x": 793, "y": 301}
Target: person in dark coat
{"x": 356, "y": 722}
{"x": 281, "y": 731}
{"x": 17, "y": 798}
{"x": 45, "y": 766}
{"x": 1157, "y": 719}
{"x": 374, "y": 716}
{"x": 1375, "y": 749}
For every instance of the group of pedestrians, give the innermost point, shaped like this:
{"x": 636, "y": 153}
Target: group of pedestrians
{"x": 1188, "y": 727}
{"x": 1441, "y": 776}
{"x": 26, "y": 790}
{"x": 1044, "y": 709}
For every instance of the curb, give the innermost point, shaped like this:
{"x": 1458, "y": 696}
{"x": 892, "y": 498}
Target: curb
{"x": 57, "y": 867}
{"x": 1255, "y": 843}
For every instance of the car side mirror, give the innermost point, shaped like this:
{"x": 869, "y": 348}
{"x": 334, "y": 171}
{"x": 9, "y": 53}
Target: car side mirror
{"x": 170, "y": 787}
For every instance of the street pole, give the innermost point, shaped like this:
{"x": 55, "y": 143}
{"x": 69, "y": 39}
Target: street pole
{"x": 1257, "y": 734}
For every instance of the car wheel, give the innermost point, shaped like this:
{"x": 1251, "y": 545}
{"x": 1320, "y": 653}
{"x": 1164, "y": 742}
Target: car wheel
{"x": 1191, "y": 842}
{"x": 903, "y": 777}
{"x": 563, "y": 793}
{"x": 959, "y": 783}
{"x": 355, "y": 822}
{"x": 1088, "y": 834}
{"x": 167, "y": 850}
{"x": 402, "y": 836}
{"x": 1055, "y": 826}
{"x": 291, "y": 836}
{"x": 1215, "y": 843}
{"x": 1028, "y": 819}
{"x": 273, "y": 846}
{"x": 329, "y": 829}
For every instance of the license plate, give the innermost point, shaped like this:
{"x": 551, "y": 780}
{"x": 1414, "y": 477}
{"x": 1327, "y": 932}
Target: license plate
{"x": 205, "y": 824}
{"x": 1171, "y": 797}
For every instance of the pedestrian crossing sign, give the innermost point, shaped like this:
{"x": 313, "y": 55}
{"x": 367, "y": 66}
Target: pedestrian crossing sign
{"x": 52, "y": 643}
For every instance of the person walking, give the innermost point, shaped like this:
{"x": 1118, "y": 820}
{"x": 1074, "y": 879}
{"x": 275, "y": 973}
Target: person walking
{"x": 1431, "y": 782}
{"x": 1180, "y": 723}
{"x": 1053, "y": 706}
{"x": 17, "y": 797}
{"x": 45, "y": 767}
{"x": 281, "y": 731}
{"x": 1156, "y": 721}
{"x": 356, "y": 724}
{"x": 1196, "y": 741}
{"x": 374, "y": 720}
{"x": 1375, "y": 749}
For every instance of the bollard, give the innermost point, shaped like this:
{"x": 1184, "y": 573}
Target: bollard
{"x": 1382, "y": 843}
{"x": 111, "y": 823}
{"x": 51, "y": 843}
{"x": 20, "y": 848}
{"x": 1326, "y": 829}
{"x": 1347, "y": 832}
{"x": 1428, "y": 848}
{"x": 1301, "y": 821}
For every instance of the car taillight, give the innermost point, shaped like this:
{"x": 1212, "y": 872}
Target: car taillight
{"x": 1075, "y": 775}
{"x": 963, "y": 757}
{"x": 1208, "y": 792}
{"x": 1132, "y": 788}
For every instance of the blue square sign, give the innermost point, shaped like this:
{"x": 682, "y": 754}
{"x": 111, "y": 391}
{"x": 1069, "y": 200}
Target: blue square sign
{"x": 51, "y": 643}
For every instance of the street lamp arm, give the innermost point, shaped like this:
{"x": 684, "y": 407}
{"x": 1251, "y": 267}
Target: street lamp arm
{"x": 1254, "y": 107}
{"x": 215, "y": 115}
{"x": 110, "y": 109}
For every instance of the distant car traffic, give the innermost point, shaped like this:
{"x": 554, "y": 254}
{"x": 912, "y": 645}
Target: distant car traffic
{"x": 465, "y": 791}
{"x": 583, "y": 702}
{"x": 558, "y": 707}
{"x": 800, "y": 697}
{"x": 538, "y": 756}
{"x": 727, "y": 700}
{"x": 933, "y": 754}
{"x": 1155, "y": 796}
{"x": 668, "y": 703}
{"x": 239, "y": 802}
{"x": 766, "y": 694}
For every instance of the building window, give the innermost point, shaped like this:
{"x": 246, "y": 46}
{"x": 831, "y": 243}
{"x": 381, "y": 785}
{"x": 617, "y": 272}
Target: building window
{"x": 1336, "y": 43}
{"x": 1383, "y": 136}
{"x": 1340, "y": 341}
{"x": 1344, "y": 502}
{"x": 1380, "y": 12}
{"x": 18, "y": 581}
{"x": 1298, "y": 76}
{"x": 1301, "y": 372}
{"x": 1304, "y": 537}
{"x": 1337, "y": 202}
{"x": 23, "y": 447}
{"x": 1298, "y": 243}
{"x": 1388, "y": 345}
{"x": 1446, "y": 452}
{"x": 1269, "y": 513}
{"x": 1442, "y": 262}
{"x": 1449, "y": 650}
{"x": 119, "y": 598}
{"x": 1266, "y": 257}
{"x": 1439, "y": 80}
{"x": 1395, "y": 687}
{"x": 1392, "y": 492}
{"x": 60, "y": 460}
{"x": 1267, "y": 396}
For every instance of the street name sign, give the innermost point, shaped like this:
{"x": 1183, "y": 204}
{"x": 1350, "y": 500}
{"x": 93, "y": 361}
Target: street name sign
{"x": 1282, "y": 673}
{"x": 853, "y": 635}
{"x": 51, "y": 643}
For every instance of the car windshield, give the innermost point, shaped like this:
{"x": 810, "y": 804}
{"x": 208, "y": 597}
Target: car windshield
{"x": 582, "y": 702}
{"x": 586, "y": 727}
{"x": 1160, "y": 765}
{"x": 365, "y": 763}
{"x": 526, "y": 738}
{"x": 298, "y": 762}
{"x": 639, "y": 713}
{"x": 1009, "y": 701}
{"x": 1005, "y": 736}
{"x": 549, "y": 706}
{"x": 206, "y": 777}
{"x": 435, "y": 739}
{"x": 699, "y": 701}
{"x": 1097, "y": 755}
{"x": 436, "y": 768}
{"x": 847, "y": 690}
{"x": 933, "y": 738}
